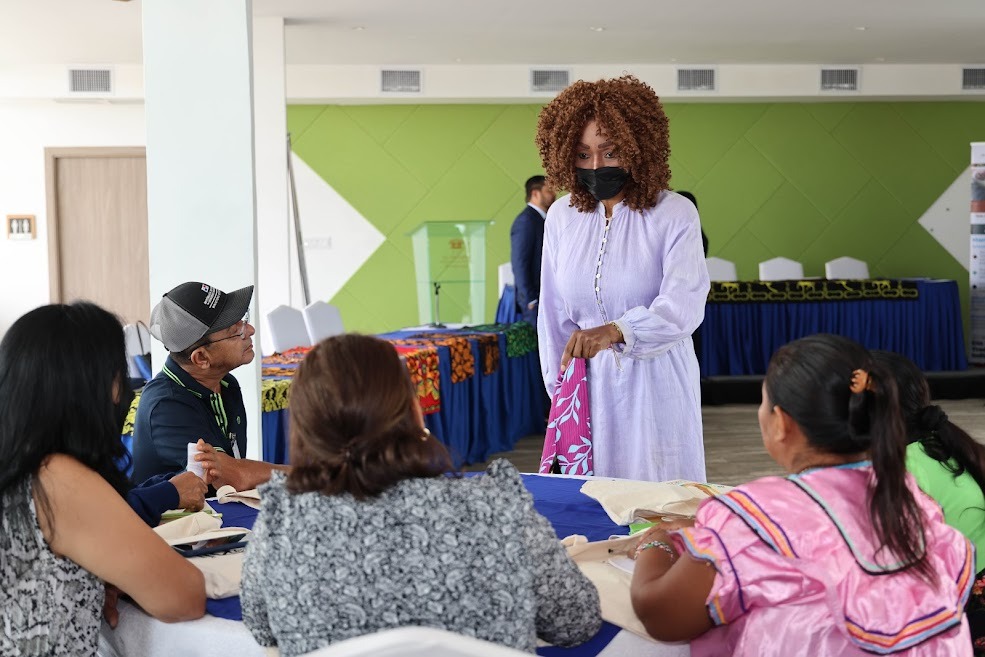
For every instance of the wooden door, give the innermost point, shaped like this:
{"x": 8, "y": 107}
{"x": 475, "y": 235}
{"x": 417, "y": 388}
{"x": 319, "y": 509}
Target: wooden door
{"x": 97, "y": 222}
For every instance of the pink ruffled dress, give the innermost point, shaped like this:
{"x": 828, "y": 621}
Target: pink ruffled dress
{"x": 799, "y": 573}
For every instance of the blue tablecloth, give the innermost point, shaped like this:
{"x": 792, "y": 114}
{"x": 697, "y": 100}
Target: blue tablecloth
{"x": 479, "y": 416}
{"x": 557, "y": 498}
{"x": 740, "y": 338}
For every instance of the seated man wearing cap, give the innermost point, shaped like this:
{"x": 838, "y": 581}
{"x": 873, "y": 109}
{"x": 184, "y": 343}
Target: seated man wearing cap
{"x": 194, "y": 396}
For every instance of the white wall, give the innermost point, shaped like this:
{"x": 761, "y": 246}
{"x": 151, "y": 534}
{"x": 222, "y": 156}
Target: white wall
{"x": 338, "y": 240}
{"x": 27, "y": 127}
{"x": 270, "y": 137}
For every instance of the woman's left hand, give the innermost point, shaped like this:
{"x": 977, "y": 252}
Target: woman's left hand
{"x": 589, "y": 342}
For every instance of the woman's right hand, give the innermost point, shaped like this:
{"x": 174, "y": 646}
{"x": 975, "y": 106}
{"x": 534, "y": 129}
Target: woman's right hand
{"x": 589, "y": 342}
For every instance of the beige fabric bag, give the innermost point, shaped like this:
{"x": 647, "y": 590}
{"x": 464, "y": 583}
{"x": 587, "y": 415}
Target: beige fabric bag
{"x": 612, "y": 582}
{"x": 624, "y": 500}
{"x": 223, "y": 573}
{"x": 250, "y": 498}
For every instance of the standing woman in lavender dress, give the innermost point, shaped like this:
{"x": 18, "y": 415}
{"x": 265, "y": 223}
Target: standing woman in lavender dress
{"x": 623, "y": 280}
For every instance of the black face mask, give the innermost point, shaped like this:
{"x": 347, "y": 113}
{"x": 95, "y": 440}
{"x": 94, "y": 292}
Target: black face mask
{"x": 603, "y": 183}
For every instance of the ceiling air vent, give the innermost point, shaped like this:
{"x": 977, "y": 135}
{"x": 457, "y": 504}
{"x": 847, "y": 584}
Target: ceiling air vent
{"x": 403, "y": 81}
{"x": 549, "y": 80}
{"x": 90, "y": 80}
{"x": 973, "y": 79}
{"x": 839, "y": 79}
{"x": 696, "y": 79}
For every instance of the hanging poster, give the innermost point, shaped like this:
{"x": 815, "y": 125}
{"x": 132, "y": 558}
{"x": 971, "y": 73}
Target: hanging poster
{"x": 976, "y": 264}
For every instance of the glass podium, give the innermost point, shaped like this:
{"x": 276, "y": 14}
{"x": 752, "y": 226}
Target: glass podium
{"x": 450, "y": 266}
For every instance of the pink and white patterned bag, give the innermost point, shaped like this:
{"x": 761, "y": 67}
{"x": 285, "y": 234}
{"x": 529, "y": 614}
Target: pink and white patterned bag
{"x": 568, "y": 443}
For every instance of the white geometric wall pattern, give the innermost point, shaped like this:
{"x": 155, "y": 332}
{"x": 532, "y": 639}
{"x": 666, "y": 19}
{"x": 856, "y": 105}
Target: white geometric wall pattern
{"x": 947, "y": 219}
{"x": 338, "y": 239}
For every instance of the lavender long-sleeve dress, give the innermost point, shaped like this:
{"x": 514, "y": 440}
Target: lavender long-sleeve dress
{"x": 645, "y": 271}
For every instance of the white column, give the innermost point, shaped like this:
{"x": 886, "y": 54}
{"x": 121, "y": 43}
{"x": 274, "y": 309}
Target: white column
{"x": 270, "y": 136}
{"x": 201, "y": 204}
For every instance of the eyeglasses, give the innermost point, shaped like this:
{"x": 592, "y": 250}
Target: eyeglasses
{"x": 242, "y": 330}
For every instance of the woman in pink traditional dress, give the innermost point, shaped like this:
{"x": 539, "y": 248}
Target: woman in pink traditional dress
{"x": 843, "y": 556}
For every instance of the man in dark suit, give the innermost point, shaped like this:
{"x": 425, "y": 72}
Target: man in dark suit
{"x": 527, "y": 244}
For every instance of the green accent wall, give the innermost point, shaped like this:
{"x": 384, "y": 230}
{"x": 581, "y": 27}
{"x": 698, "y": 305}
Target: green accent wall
{"x": 809, "y": 181}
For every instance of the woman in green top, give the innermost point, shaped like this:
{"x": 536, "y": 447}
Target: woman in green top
{"x": 949, "y": 466}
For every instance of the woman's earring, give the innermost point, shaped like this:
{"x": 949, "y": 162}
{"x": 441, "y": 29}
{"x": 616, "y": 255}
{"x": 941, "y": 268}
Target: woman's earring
{"x": 425, "y": 435}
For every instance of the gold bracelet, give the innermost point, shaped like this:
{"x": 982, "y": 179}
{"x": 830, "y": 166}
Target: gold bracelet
{"x": 622, "y": 338}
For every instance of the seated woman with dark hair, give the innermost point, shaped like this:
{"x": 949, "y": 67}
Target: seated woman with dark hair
{"x": 843, "y": 556}
{"x": 65, "y": 529}
{"x": 366, "y": 533}
{"x": 949, "y": 466}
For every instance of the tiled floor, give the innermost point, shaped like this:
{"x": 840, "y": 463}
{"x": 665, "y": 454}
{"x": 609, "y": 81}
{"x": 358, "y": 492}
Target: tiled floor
{"x": 733, "y": 446}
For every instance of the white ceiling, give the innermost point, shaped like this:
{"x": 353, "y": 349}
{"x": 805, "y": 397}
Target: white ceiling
{"x": 548, "y": 32}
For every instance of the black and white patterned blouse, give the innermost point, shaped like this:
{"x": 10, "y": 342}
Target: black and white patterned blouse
{"x": 470, "y": 556}
{"x": 48, "y": 605}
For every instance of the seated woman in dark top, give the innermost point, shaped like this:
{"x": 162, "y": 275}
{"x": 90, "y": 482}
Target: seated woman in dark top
{"x": 366, "y": 533}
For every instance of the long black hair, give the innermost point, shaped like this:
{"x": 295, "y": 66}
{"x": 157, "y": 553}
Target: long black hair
{"x": 927, "y": 423}
{"x": 60, "y": 367}
{"x": 810, "y": 380}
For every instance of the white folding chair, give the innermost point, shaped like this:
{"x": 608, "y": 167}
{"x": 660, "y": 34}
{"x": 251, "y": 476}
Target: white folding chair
{"x": 505, "y": 276}
{"x": 720, "y": 269}
{"x": 415, "y": 642}
{"x": 846, "y": 268}
{"x": 781, "y": 269}
{"x": 287, "y": 329}
{"x": 322, "y": 320}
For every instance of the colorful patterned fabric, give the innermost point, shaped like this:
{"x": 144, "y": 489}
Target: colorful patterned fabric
{"x": 278, "y": 371}
{"x": 488, "y": 347}
{"x": 291, "y": 356}
{"x": 274, "y": 394}
{"x": 422, "y": 362}
{"x": 521, "y": 337}
{"x": 131, "y": 414}
{"x": 813, "y": 290}
{"x": 462, "y": 360}
{"x": 568, "y": 443}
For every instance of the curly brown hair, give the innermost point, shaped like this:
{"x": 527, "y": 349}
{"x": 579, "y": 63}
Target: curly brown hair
{"x": 630, "y": 113}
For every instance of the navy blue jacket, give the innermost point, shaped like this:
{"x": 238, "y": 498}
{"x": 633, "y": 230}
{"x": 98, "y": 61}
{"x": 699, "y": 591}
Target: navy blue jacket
{"x": 175, "y": 410}
{"x": 153, "y": 497}
{"x": 526, "y": 249}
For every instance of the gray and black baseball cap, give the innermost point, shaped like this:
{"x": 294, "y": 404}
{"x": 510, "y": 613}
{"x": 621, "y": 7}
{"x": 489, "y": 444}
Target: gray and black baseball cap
{"x": 193, "y": 310}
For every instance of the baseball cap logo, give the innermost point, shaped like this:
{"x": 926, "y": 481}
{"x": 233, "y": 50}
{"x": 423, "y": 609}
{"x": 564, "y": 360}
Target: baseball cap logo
{"x": 205, "y": 288}
{"x": 212, "y": 296}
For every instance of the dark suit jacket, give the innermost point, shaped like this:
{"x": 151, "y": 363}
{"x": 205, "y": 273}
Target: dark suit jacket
{"x": 526, "y": 248}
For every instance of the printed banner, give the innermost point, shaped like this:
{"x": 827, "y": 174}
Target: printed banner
{"x": 976, "y": 264}
{"x": 811, "y": 290}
